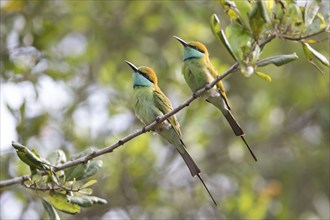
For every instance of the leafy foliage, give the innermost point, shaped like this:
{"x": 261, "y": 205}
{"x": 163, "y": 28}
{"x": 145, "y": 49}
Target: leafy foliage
{"x": 63, "y": 189}
{"x": 254, "y": 23}
{"x": 65, "y": 86}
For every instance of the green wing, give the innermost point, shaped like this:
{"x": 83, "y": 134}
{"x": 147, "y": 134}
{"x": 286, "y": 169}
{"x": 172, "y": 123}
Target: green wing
{"x": 220, "y": 86}
{"x": 164, "y": 105}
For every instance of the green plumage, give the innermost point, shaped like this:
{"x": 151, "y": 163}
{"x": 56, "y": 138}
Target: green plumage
{"x": 199, "y": 71}
{"x": 149, "y": 102}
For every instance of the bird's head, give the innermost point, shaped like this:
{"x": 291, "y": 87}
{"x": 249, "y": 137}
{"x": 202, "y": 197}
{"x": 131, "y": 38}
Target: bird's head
{"x": 193, "y": 49}
{"x": 143, "y": 76}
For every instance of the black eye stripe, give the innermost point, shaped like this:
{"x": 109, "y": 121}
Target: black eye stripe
{"x": 196, "y": 48}
{"x": 146, "y": 76}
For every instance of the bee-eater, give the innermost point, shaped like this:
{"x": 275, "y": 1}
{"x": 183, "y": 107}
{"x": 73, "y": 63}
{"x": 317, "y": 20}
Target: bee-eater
{"x": 149, "y": 103}
{"x": 199, "y": 71}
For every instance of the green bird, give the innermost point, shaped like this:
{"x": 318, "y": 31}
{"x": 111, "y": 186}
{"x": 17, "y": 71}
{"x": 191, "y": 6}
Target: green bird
{"x": 149, "y": 104}
{"x": 199, "y": 71}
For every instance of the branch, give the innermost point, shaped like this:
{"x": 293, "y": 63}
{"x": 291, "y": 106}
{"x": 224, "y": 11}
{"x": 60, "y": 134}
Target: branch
{"x": 129, "y": 137}
{"x": 303, "y": 37}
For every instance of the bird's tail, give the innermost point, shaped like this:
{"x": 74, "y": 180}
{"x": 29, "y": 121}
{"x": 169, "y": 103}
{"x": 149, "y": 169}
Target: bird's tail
{"x": 233, "y": 123}
{"x": 222, "y": 105}
{"x": 194, "y": 170}
{"x": 238, "y": 130}
{"x": 200, "y": 178}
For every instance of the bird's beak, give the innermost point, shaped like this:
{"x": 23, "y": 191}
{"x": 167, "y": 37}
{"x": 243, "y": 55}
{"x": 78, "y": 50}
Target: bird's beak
{"x": 184, "y": 43}
{"x": 134, "y": 68}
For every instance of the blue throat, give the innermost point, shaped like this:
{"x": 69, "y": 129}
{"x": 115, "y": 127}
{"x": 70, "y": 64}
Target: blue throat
{"x": 139, "y": 80}
{"x": 190, "y": 53}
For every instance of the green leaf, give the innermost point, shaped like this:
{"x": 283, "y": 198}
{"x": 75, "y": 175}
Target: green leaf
{"x": 215, "y": 24}
{"x": 82, "y": 171}
{"x": 57, "y": 157}
{"x": 311, "y": 11}
{"x": 308, "y": 54}
{"x": 318, "y": 25}
{"x": 86, "y": 201}
{"x": 61, "y": 202}
{"x": 30, "y": 157}
{"x": 230, "y": 9}
{"x": 293, "y": 19}
{"x": 309, "y": 50}
{"x": 262, "y": 5}
{"x": 75, "y": 172}
{"x": 92, "y": 168}
{"x": 259, "y": 16}
{"x": 89, "y": 183}
{"x": 278, "y": 60}
{"x": 255, "y": 54}
{"x": 240, "y": 40}
{"x": 50, "y": 210}
{"x": 86, "y": 152}
{"x": 279, "y": 10}
{"x": 244, "y": 7}
{"x": 219, "y": 33}
{"x": 87, "y": 191}
{"x": 264, "y": 76}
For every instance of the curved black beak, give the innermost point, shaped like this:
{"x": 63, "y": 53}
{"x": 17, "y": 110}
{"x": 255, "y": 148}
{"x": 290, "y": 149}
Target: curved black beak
{"x": 184, "y": 43}
{"x": 134, "y": 68}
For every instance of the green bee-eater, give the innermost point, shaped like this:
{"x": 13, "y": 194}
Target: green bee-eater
{"x": 149, "y": 103}
{"x": 199, "y": 71}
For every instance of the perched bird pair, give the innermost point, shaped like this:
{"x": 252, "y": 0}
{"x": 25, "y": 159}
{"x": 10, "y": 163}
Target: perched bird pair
{"x": 150, "y": 102}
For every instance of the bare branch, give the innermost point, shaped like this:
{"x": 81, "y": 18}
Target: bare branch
{"x": 129, "y": 137}
{"x": 303, "y": 37}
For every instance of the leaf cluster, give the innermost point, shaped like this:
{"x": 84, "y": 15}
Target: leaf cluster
{"x": 63, "y": 190}
{"x": 253, "y": 24}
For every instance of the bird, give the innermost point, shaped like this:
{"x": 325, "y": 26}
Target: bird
{"x": 150, "y": 103}
{"x": 198, "y": 71}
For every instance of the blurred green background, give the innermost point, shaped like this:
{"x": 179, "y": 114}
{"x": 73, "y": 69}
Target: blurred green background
{"x": 79, "y": 95}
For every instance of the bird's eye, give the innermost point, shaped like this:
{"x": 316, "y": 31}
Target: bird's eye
{"x": 146, "y": 76}
{"x": 198, "y": 49}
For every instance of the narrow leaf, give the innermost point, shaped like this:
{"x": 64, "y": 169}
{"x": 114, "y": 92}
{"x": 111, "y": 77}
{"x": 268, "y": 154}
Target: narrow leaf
{"x": 89, "y": 183}
{"x": 215, "y": 24}
{"x": 256, "y": 20}
{"x": 87, "y": 191}
{"x": 278, "y": 60}
{"x": 311, "y": 11}
{"x": 264, "y": 76}
{"x": 244, "y": 7}
{"x": 219, "y": 33}
{"x": 316, "y": 54}
{"x": 30, "y": 157}
{"x": 264, "y": 10}
{"x": 50, "y": 210}
{"x": 309, "y": 55}
{"x": 86, "y": 201}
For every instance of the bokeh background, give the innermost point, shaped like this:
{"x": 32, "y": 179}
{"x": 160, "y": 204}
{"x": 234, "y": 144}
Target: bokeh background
{"x": 65, "y": 85}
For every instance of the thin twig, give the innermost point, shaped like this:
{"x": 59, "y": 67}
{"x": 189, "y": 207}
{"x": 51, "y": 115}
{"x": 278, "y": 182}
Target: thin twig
{"x": 129, "y": 137}
{"x": 303, "y": 37}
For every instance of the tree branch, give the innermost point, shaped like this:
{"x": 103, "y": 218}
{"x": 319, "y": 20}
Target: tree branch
{"x": 129, "y": 137}
{"x": 302, "y": 37}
